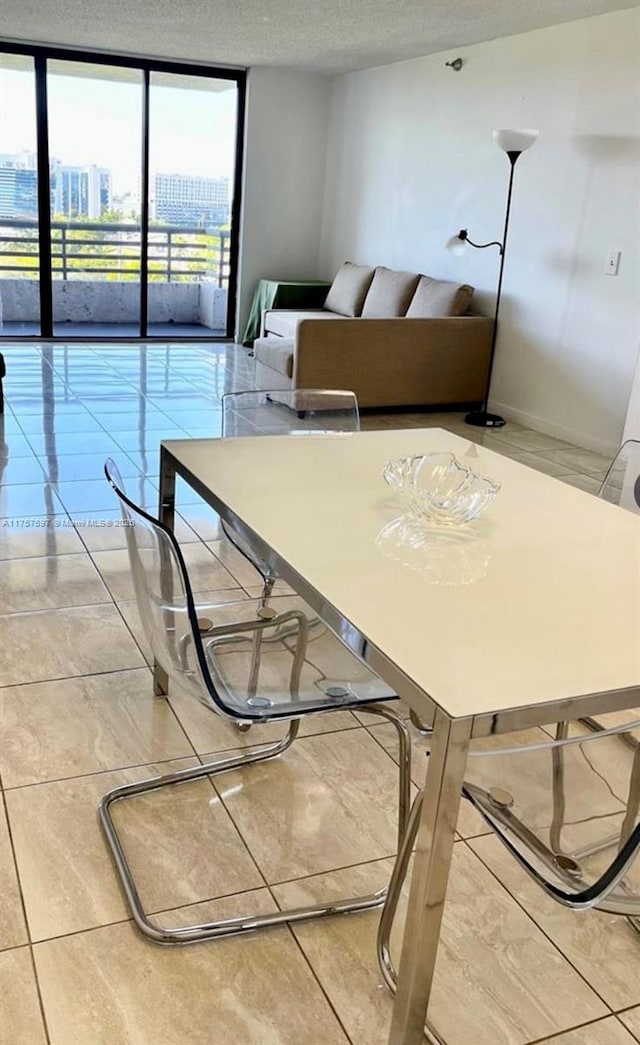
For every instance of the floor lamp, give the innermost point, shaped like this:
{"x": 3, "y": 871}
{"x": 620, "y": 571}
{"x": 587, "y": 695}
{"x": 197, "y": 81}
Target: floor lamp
{"x": 513, "y": 143}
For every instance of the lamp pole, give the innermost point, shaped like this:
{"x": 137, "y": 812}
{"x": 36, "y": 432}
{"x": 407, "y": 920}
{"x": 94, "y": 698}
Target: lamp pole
{"x": 513, "y": 143}
{"x": 482, "y": 418}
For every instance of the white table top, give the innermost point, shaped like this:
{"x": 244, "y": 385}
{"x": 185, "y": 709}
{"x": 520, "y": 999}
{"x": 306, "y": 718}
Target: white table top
{"x": 539, "y": 602}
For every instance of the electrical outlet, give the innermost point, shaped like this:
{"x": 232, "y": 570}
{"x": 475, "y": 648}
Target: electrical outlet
{"x": 612, "y": 263}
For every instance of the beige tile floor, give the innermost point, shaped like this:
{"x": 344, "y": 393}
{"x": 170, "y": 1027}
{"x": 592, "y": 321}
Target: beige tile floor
{"x": 77, "y": 716}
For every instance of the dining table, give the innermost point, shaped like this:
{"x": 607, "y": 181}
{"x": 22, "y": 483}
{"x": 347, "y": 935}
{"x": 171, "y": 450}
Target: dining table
{"x": 526, "y": 616}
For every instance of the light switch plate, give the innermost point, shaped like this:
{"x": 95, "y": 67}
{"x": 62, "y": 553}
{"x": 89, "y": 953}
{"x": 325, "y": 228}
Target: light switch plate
{"x": 612, "y": 263}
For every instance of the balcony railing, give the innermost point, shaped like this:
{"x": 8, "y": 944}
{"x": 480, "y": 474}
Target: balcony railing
{"x": 111, "y": 251}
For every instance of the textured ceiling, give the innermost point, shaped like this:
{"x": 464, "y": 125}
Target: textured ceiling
{"x": 328, "y": 36}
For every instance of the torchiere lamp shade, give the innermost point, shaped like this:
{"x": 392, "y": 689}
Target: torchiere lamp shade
{"x": 515, "y": 140}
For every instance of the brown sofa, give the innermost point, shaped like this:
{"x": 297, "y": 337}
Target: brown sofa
{"x": 394, "y": 338}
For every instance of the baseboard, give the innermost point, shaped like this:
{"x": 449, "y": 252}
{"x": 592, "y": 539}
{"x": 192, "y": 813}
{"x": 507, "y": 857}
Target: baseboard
{"x": 540, "y": 424}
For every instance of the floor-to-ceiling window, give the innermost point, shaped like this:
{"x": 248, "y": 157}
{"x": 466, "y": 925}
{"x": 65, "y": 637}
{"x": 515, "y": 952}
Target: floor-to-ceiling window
{"x": 95, "y": 135}
{"x": 19, "y": 226}
{"x": 190, "y": 221}
{"x": 119, "y": 196}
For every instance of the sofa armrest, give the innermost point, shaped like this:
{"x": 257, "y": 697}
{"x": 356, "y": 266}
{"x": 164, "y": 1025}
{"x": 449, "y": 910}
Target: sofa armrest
{"x": 396, "y": 361}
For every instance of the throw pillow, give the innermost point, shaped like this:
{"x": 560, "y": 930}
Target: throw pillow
{"x": 349, "y": 289}
{"x": 390, "y": 294}
{"x": 439, "y": 297}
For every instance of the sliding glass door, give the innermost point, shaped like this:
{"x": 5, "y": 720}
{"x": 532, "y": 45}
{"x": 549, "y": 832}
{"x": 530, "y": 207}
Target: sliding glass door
{"x": 119, "y": 196}
{"x": 192, "y": 144}
{"x": 95, "y": 135}
{"x": 19, "y": 225}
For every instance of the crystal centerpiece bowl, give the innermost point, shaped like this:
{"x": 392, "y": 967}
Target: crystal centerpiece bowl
{"x": 438, "y": 489}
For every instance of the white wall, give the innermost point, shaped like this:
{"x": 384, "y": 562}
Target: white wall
{"x": 410, "y": 160}
{"x": 285, "y": 153}
{"x": 632, "y": 421}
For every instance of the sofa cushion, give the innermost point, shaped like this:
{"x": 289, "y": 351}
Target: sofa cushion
{"x": 283, "y": 321}
{"x": 349, "y": 289}
{"x": 439, "y": 297}
{"x": 275, "y": 352}
{"x": 390, "y": 294}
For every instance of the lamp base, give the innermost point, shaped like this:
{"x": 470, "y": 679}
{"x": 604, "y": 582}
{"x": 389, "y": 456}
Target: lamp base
{"x": 482, "y": 419}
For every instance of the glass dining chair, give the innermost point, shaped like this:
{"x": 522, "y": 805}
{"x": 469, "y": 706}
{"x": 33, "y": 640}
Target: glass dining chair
{"x": 298, "y": 412}
{"x": 566, "y": 809}
{"x": 621, "y": 484}
{"x": 207, "y": 652}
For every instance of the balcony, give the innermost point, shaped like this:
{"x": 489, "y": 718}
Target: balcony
{"x": 96, "y": 279}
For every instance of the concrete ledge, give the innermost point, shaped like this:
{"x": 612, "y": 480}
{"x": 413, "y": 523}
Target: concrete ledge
{"x": 111, "y": 301}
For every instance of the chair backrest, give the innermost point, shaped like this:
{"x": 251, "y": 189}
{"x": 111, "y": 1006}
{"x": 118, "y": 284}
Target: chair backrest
{"x": 164, "y": 597}
{"x": 621, "y": 484}
{"x": 308, "y": 411}
{"x": 213, "y": 657}
{"x": 579, "y": 837}
{"x": 299, "y": 411}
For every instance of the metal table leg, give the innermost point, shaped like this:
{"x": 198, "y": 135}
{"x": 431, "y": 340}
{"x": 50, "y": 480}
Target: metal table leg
{"x": 166, "y": 514}
{"x": 445, "y": 775}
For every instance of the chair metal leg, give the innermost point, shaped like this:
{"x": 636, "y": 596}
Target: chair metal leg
{"x": 393, "y": 895}
{"x": 258, "y": 640}
{"x": 631, "y": 814}
{"x": 596, "y": 727}
{"x": 160, "y": 681}
{"x": 559, "y": 803}
{"x": 383, "y": 942}
{"x": 422, "y": 727}
{"x": 256, "y": 652}
{"x": 166, "y": 514}
{"x": 634, "y": 922}
{"x": 267, "y": 590}
{"x": 629, "y": 822}
{"x": 235, "y": 926}
{"x": 404, "y": 764}
{"x": 633, "y": 799}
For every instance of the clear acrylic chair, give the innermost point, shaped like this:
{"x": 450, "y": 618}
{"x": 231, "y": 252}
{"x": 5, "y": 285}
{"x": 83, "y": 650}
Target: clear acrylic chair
{"x": 621, "y": 484}
{"x": 566, "y": 809}
{"x": 299, "y": 412}
{"x": 208, "y": 652}
{"x": 303, "y": 411}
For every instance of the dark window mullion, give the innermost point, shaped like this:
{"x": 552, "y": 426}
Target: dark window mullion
{"x": 144, "y": 208}
{"x": 234, "y": 239}
{"x": 126, "y": 61}
{"x": 44, "y": 198}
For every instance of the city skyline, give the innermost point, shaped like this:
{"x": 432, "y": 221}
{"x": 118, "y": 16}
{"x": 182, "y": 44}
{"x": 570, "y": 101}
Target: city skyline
{"x": 85, "y": 190}
{"x": 193, "y": 130}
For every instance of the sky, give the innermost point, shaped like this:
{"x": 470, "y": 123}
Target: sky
{"x": 99, "y": 121}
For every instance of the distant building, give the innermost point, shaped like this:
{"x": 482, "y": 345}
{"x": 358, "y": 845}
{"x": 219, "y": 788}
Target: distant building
{"x": 80, "y": 192}
{"x": 181, "y": 199}
{"x": 76, "y": 192}
{"x": 18, "y": 185}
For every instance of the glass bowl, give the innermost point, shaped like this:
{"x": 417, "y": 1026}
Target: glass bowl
{"x": 439, "y": 489}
